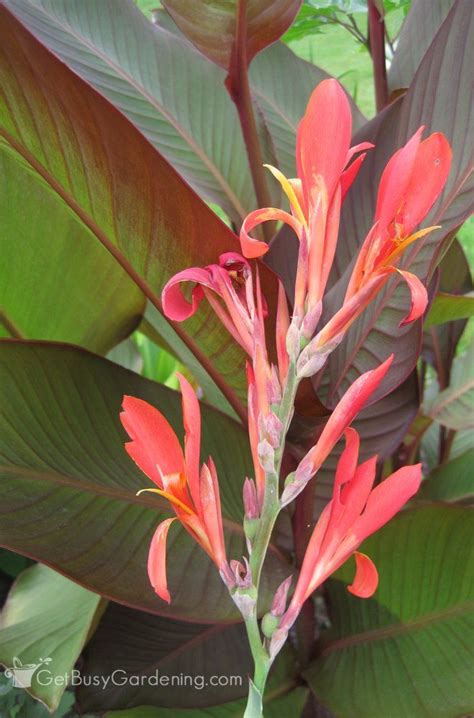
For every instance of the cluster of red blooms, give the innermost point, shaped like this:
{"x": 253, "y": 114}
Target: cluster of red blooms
{"x": 326, "y": 168}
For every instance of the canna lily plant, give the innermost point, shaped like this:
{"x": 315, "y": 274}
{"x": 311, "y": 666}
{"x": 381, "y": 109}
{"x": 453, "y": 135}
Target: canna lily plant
{"x": 326, "y": 166}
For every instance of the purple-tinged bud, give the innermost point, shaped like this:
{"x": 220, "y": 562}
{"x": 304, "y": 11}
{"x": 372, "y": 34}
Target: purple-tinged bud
{"x": 311, "y": 320}
{"x": 266, "y": 456}
{"x": 274, "y": 396}
{"x": 278, "y": 639}
{"x": 293, "y": 341}
{"x": 242, "y": 573}
{"x": 270, "y": 428}
{"x": 250, "y": 499}
{"x": 279, "y": 602}
{"x": 296, "y": 482}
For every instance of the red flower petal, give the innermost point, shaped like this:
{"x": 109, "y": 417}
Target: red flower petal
{"x": 154, "y": 442}
{"x": 387, "y": 499}
{"x": 157, "y": 560}
{"x": 366, "y": 579}
{"x": 175, "y": 306}
{"x": 323, "y": 139}
{"x": 253, "y": 248}
{"x": 192, "y": 438}
{"x": 429, "y": 175}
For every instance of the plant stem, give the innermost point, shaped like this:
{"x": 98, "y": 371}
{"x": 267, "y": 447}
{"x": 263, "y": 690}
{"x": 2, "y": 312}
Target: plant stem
{"x": 239, "y": 89}
{"x": 270, "y": 510}
{"x": 377, "y": 51}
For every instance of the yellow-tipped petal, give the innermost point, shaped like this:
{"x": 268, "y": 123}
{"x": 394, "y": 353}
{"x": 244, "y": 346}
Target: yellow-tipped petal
{"x": 404, "y": 243}
{"x": 289, "y": 191}
{"x": 172, "y": 499}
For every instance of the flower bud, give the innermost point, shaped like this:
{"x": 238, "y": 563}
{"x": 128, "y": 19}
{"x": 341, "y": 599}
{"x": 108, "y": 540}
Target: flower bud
{"x": 269, "y": 624}
{"x": 266, "y": 456}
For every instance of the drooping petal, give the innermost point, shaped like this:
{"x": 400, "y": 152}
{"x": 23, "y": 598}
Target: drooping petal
{"x": 323, "y": 139}
{"x": 419, "y": 296}
{"x": 252, "y": 248}
{"x": 366, "y": 578}
{"x": 346, "y": 410}
{"x": 157, "y": 560}
{"x": 428, "y": 177}
{"x": 192, "y": 438}
{"x": 154, "y": 443}
{"x": 386, "y": 500}
{"x": 175, "y": 305}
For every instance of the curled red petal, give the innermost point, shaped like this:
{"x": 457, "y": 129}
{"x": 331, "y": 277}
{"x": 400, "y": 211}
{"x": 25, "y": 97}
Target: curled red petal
{"x": 175, "y": 305}
{"x": 366, "y": 579}
{"x": 419, "y": 296}
{"x": 154, "y": 443}
{"x": 253, "y": 248}
{"x": 157, "y": 560}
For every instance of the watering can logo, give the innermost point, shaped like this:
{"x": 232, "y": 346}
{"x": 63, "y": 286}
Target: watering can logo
{"x": 22, "y": 674}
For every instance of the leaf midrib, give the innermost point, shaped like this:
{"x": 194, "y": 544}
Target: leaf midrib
{"x": 94, "y": 50}
{"x": 378, "y": 634}
{"x": 89, "y": 222}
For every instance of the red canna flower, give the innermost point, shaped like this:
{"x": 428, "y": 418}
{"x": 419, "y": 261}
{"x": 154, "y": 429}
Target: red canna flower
{"x": 355, "y": 511}
{"x": 323, "y": 157}
{"x": 346, "y": 410}
{"x": 411, "y": 183}
{"x": 192, "y": 492}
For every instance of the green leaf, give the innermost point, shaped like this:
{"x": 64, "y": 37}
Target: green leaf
{"x": 59, "y": 259}
{"x": 407, "y": 651}
{"x": 453, "y": 407}
{"x": 132, "y": 204}
{"x": 45, "y": 622}
{"x": 230, "y": 32}
{"x": 449, "y": 307}
{"x": 453, "y": 481}
{"x": 68, "y": 489}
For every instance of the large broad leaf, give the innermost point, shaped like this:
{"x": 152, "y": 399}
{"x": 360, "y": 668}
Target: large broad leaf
{"x": 453, "y": 407}
{"x": 136, "y": 66}
{"x": 68, "y": 489}
{"x": 453, "y": 481}
{"x": 133, "y": 205}
{"x": 419, "y": 27}
{"x": 46, "y": 246}
{"x": 281, "y": 697}
{"x": 376, "y": 333}
{"x": 44, "y": 625}
{"x": 133, "y": 643}
{"x": 408, "y": 651}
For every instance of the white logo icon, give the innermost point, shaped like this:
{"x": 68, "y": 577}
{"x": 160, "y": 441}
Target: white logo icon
{"x": 22, "y": 674}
